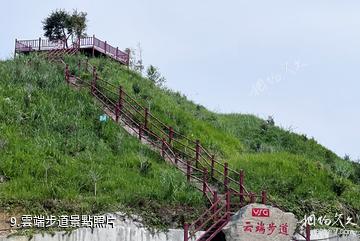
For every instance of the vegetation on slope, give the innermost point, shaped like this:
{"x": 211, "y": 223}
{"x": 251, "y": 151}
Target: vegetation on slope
{"x": 59, "y": 158}
{"x": 300, "y": 175}
{"x": 52, "y": 132}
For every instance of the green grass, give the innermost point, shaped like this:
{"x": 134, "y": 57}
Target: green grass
{"x": 299, "y": 174}
{"x": 59, "y": 127}
{"x": 54, "y": 150}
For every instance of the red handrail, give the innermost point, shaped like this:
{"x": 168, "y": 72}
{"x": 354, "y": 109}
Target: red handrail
{"x": 154, "y": 133}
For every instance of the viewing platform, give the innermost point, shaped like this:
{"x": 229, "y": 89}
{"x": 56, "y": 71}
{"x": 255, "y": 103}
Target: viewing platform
{"x": 91, "y": 46}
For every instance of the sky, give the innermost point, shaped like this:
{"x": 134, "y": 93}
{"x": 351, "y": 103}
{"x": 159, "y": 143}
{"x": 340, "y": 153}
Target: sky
{"x": 298, "y": 61}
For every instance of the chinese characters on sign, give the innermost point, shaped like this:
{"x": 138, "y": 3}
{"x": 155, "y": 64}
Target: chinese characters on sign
{"x": 63, "y": 221}
{"x": 257, "y": 222}
{"x": 266, "y": 229}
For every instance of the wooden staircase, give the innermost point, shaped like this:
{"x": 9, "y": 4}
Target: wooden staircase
{"x": 222, "y": 186}
{"x": 214, "y": 179}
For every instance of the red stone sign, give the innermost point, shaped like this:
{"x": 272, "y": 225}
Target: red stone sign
{"x": 257, "y": 222}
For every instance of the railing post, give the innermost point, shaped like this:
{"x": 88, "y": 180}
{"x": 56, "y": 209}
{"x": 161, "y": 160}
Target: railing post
{"x": 252, "y": 198}
{"x": 105, "y": 46}
{"x": 228, "y": 205}
{"x": 188, "y": 170}
{"x": 163, "y": 147}
{"x": 140, "y": 132}
{"x": 93, "y": 84}
{"x": 79, "y": 66}
{"x": 225, "y": 176}
{"x": 146, "y": 114}
{"x": 215, "y": 207}
{"x": 67, "y": 73}
{"x": 263, "y": 197}
{"x": 171, "y": 135}
{"x": 204, "y": 180}
{"x": 176, "y": 159}
{"x": 197, "y": 153}
{"x": 39, "y": 44}
{"x": 120, "y": 103}
{"x": 241, "y": 184}
{"x": 307, "y": 232}
{"x": 186, "y": 232}
{"x": 118, "y": 108}
{"x": 212, "y": 166}
{"x": 93, "y": 46}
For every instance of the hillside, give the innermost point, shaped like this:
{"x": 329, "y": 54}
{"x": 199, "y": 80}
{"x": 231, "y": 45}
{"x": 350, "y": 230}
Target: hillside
{"x": 50, "y": 132}
{"x": 300, "y": 175}
{"x": 54, "y": 152}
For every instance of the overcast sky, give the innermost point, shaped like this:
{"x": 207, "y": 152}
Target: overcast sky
{"x": 298, "y": 61}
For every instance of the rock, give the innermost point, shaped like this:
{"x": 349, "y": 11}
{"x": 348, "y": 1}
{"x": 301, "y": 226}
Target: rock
{"x": 258, "y": 222}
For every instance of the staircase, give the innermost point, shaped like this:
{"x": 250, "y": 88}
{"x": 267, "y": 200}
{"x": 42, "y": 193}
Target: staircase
{"x": 222, "y": 186}
{"x": 56, "y": 54}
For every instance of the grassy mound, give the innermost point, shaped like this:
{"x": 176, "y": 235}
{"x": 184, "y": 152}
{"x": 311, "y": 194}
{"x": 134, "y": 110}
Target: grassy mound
{"x": 59, "y": 158}
{"x": 299, "y": 174}
{"x": 54, "y": 150}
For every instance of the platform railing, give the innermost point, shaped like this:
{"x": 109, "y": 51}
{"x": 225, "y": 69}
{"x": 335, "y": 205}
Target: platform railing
{"x": 104, "y": 47}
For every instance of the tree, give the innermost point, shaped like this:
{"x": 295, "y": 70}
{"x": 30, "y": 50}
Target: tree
{"x": 77, "y": 24}
{"x": 154, "y": 75}
{"x": 60, "y": 25}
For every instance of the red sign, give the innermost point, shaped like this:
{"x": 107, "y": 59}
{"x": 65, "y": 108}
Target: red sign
{"x": 260, "y": 212}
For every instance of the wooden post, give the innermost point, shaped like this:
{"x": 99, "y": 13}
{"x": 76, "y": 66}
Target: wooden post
{"x": 117, "y": 51}
{"x": 241, "y": 186}
{"x": 252, "y": 198}
{"x": 163, "y": 147}
{"x": 212, "y": 166}
{"x": 188, "y": 170}
{"x": 263, "y": 197}
{"x": 121, "y": 93}
{"x": 146, "y": 118}
{"x": 79, "y": 66}
{"x": 39, "y": 44}
{"x": 307, "y": 232}
{"x": 176, "y": 159}
{"x": 186, "y": 232}
{"x": 140, "y": 131}
{"x": 171, "y": 135}
{"x": 105, "y": 46}
{"x": 227, "y": 201}
{"x": 225, "y": 176}
{"x": 93, "y": 84}
{"x": 119, "y": 106}
{"x": 93, "y": 46}
{"x": 67, "y": 73}
{"x": 204, "y": 180}
{"x": 215, "y": 207}
{"x": 197, "y": 153}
